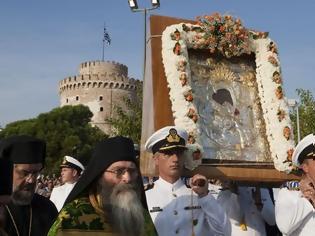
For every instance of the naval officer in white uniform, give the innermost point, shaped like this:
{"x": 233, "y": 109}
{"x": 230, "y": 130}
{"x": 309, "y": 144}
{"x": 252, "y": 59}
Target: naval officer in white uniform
{"x": 176, "y": 209}
{"x": 248, "y": 208}
{"x": 71, "y": 170}
{"x": 295, "y": 214}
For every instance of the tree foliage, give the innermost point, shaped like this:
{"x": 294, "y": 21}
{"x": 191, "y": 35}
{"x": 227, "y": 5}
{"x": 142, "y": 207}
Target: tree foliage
{"x": 306, "y": 114}
{"x": 128, "y": 123}
{"x": 66, "y": 131}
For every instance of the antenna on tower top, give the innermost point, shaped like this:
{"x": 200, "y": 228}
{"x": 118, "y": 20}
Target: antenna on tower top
{"x": 106, "y": 39}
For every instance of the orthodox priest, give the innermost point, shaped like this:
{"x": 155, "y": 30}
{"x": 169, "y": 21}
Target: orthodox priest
{"x": 109, "y": 198}
{"x": 27, "y": 214}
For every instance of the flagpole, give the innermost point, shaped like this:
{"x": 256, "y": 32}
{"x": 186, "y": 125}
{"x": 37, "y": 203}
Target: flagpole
{"x": 103, "y": 50}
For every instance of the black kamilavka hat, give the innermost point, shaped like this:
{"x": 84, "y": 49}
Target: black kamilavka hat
{"x": 23, "y": 149}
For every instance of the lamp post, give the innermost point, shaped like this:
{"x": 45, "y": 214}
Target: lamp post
{"x": 295, "y": 105}
{"x": 134, "y": 8}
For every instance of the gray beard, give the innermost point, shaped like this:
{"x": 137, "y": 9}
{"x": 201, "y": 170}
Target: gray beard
{"x": 24, "y": 197}
{"x": 126, "y": 210}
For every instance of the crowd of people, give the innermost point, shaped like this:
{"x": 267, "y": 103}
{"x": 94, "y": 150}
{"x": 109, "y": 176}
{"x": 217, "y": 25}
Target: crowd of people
{"x": 45, "y": 185}
{"x": 108, "y": 197}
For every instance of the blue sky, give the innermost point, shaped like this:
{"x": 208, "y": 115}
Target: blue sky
{"x": 42, "y": 42}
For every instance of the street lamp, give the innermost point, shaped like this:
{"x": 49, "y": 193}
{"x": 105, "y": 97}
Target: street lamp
{"x": 155, "y": 3}
{"x": 133, "y": 4}
{"x": 134, "y": 8}
{"x": 295, "y": 105}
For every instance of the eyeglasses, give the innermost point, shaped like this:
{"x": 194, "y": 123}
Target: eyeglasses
{"x": 27, "y": 174}
{"x": 120, "y": 172}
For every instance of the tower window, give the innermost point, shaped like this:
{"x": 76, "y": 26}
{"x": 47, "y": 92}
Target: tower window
{"x": 101, "y": 98}
{"x": 67, "y": 100}
{"x": 77, "y": 98}
{"x": 101, "y": 109}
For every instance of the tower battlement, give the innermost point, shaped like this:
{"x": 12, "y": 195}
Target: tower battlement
{"x": 71, "y": 84}
{"x": 103, "y": 68}
{"x": 98, "y": 81}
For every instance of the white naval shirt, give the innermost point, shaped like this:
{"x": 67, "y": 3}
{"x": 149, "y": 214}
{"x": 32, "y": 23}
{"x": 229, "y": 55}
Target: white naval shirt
{"x": 295, "y": 215}
{"x": 172, "y": 212}
{"x": 59, "y": 194}
{"x": 241, "y": 208}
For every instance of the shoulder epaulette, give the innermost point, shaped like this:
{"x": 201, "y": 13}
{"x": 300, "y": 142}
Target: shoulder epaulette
{"x": 292, "y": 185}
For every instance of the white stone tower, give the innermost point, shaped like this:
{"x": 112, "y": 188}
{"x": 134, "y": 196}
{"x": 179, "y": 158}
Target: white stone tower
{"x": 100, "y": 85}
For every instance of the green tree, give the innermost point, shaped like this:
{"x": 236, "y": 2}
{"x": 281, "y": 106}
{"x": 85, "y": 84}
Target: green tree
{"x": 306, "y": 114}
{"x": 66, "y": 130}
{"x": 128, "y": 123}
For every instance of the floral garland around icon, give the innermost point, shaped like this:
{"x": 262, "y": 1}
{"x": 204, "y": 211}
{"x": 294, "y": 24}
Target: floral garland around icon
{"x": 227, "y": 36}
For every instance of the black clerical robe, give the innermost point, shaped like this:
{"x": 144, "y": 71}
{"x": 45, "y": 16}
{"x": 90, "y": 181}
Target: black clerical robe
{"x": 44, "y": 214}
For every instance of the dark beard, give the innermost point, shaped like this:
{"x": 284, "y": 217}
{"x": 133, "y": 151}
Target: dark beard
{"x": 125, "y": 208}
{"x": 23, "y": 195}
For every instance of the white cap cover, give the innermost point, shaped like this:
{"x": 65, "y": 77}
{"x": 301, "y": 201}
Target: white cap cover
{"x": 305, "y": 148}
{"x": 70, "y": 162}
{"x": 167, "y": 138}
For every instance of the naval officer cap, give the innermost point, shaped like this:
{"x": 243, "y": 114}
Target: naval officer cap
{"x": 167, "y": 138}
{"x": 304, "y": 150}
{"x": 70, "y": 162}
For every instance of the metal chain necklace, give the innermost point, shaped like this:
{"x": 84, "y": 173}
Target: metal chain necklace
{"x": 15, "y": 226}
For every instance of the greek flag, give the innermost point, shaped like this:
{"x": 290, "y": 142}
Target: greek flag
{"x": 106, "y": 38}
